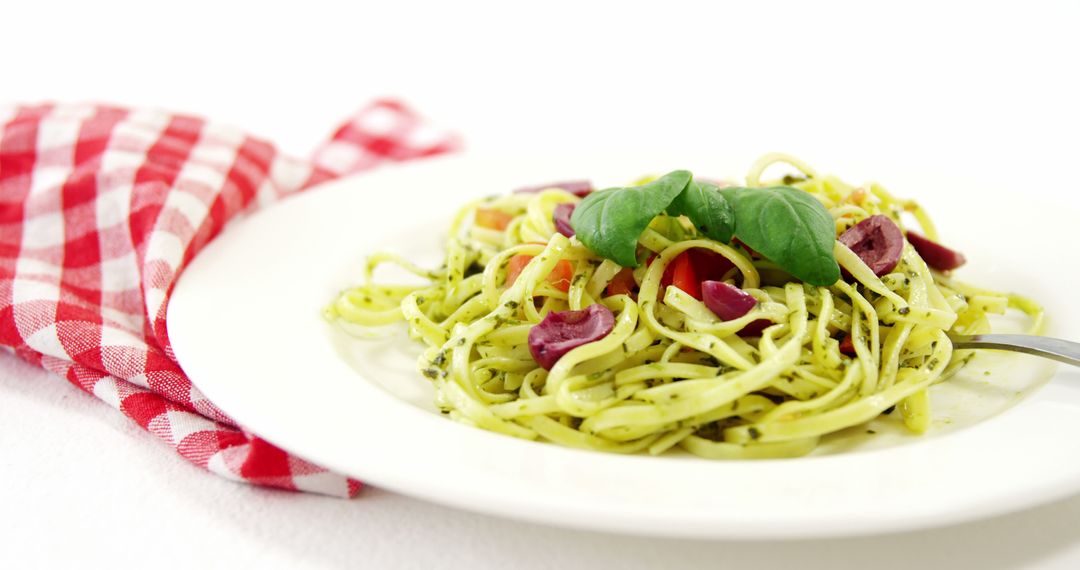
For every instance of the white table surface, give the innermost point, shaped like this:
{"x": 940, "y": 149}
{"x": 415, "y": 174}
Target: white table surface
{"x": 948, "y": 87}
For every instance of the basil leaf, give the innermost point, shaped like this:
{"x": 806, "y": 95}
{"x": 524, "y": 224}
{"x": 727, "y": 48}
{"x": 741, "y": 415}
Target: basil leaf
{"x": 707, "y": 209}
{"x": 609, "y": 222}
{"x": 728, "y": 192}
{"x": 789, "y": 227}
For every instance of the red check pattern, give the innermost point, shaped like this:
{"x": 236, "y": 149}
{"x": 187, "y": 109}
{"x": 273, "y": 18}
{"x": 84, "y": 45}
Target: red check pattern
{"x": 101, "y": 208}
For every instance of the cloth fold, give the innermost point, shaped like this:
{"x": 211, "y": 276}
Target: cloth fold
{"x": 102, "y": 207}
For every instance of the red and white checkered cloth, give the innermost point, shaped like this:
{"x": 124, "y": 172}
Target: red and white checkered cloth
{"x": 101, "y": 208}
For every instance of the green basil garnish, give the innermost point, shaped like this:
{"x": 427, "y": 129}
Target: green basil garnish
{"x": 703, "y": 204}
{"x": 789, "y": 227}
{"x": 786, "y": 225}
{"x": 609, "y": 222}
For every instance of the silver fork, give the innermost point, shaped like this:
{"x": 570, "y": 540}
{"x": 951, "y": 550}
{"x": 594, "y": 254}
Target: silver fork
{"x": 1054, "y": 348}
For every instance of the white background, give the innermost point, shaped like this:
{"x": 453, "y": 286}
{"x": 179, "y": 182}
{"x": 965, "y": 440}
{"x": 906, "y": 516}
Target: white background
{"x": 945, "y": 86}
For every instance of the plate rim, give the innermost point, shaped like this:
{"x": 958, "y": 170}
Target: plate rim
{"x": 183, "y": 297}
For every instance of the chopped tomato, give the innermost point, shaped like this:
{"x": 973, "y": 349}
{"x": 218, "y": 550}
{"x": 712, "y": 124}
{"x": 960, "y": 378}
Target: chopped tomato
{"x": 858, "y": 196}
{"x": 492, "y": 219}
{"x": 514, "y": 268}
{"x": 709, "y": 265}
{"x": 847, "y": 346}
{"x": 559, "y": 277}
{"x": 623, "y": 283}
{"x": 693, "y": 266}
{"x": 684, "y": 275}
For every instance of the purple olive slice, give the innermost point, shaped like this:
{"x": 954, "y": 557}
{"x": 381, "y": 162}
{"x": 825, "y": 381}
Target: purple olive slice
{"x": 562, "y": 331}
{"x": 561, "y": 217}
{"x": 579, "y": 188}
{"x": 934, "y": 254}
{"x": 729, "y": 303}
{"x": 877, "y": 241}
{"x": 726, "y": 300}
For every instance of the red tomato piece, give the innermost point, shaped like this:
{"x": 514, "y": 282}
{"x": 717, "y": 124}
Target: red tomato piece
{"x": 847, "y": 346}
{"x": 709, "y": 265}
{"x": 693, "y": 266}
{"x": 559, "y": 277}
{"x": 492, "y": 219}
{"x": 514, "y": 268}
{"x": 684, "y": 275}
{"x": 623, "y": 283}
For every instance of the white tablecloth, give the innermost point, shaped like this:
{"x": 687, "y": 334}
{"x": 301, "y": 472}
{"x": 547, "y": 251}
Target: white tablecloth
{"x": 942, "y": 86}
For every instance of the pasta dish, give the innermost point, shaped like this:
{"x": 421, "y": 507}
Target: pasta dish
{"x": 729, "y": 320}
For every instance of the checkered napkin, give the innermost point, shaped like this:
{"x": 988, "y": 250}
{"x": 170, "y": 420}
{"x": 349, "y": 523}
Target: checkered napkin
{"x": 101, "y": 208}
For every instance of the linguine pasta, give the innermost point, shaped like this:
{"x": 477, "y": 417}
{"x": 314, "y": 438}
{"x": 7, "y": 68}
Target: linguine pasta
{"x": 671, "y": 373}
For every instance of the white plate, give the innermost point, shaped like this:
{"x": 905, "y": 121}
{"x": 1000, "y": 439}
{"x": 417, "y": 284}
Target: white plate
{"x": 245, "y": 324}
